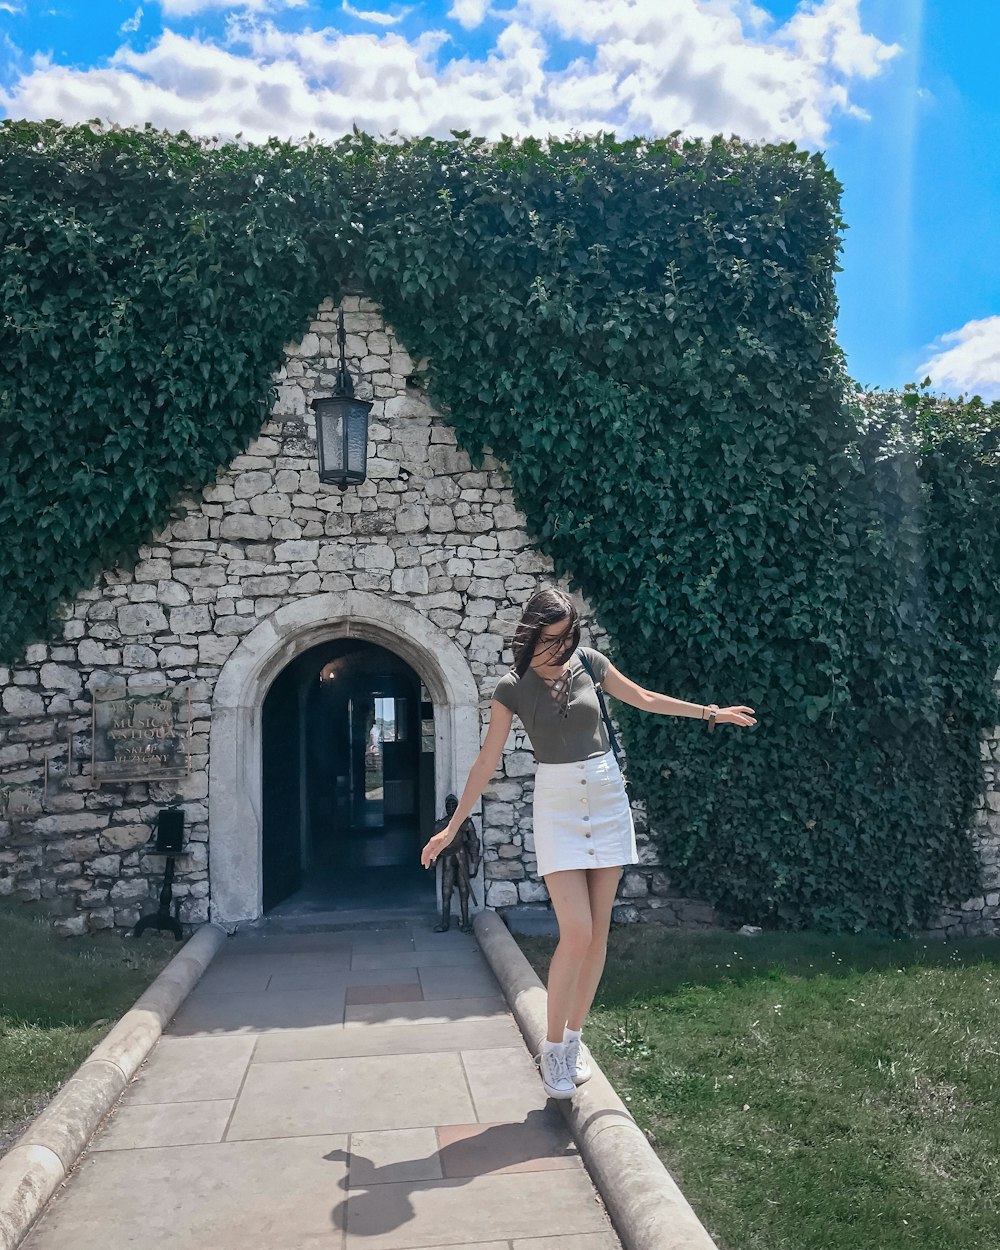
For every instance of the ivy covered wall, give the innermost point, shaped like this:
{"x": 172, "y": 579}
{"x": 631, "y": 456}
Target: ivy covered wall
{"x": 643, "y": 333}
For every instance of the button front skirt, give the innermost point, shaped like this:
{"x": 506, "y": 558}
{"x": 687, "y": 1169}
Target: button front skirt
{"x": 581, "y": 816}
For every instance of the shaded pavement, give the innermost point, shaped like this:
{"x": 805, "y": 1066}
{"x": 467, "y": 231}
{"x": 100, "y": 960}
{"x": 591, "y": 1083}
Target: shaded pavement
{"x": 363, "y": 1088}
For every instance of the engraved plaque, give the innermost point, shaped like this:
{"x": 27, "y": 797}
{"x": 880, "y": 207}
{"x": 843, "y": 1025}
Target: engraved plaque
{"x": 141, "y": 736}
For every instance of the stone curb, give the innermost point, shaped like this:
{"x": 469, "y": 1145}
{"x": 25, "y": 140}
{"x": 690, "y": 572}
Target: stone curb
{"x": 648, "y": 1210}
{"x": 39, "y": 1160}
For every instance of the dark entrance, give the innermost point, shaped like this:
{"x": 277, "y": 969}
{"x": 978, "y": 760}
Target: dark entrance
{"x": 348, "y": 782}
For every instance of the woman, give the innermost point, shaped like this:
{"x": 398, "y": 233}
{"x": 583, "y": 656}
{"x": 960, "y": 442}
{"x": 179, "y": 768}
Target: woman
{"x": 581, "y": 815}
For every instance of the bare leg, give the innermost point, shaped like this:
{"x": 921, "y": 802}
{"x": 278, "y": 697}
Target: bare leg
{"x": 571, "y": 900}
{"x": 602, "y": 885}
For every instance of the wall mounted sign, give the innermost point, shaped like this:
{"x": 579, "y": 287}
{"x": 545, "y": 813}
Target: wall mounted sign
{"x": 143, "y": 736}
{"x": 20, "y": 799}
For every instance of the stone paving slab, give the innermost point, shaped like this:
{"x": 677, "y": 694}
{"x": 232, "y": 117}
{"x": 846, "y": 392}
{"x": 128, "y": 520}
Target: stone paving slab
{"x": 580, "y": 1241}
{"x": 388, "y": 993}
{"x": 277, "y": 1195}
{"x": 279, "y": 1118}
{"x": 321, "y": 978}
{"x": 215, "y": 1014}
{"x": 467, "y": 1245}
{"x": 538, "y": 1143}
{"x": 385, "y": 942}
{"x": 297, "y": 972}
{"x": 387, "y": 1039}
{"x": 165, "y": 1124}
{"x": 456, "y": 957}
{"x": 421, "y": 1213}
{"x": 240, "y": 976}
{"x": 425, "y": 939}
{"x": 394, "y": 1155}
{"x": 383, "y": 937}
{"x": 458, "y": 982}
{"x": 289, "y": 961}
{"x": 438, "y": 1011}
{"x": 301, "y": 971}
{"x": 249, "y": 942}
{"x": 505, "y": 1084}
{"x": 586, "y": 1241}
{"x": 192, "y": 1069}
{"x": 312, "y": 1096}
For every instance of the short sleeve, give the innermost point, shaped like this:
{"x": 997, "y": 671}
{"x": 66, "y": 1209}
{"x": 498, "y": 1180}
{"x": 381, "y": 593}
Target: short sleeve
{"x": 598, "y": 662}
{"x": 506, "y": 691}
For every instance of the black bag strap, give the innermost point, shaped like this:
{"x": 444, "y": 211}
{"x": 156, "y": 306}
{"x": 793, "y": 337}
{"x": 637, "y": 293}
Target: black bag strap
{"x": 604, "y": 710}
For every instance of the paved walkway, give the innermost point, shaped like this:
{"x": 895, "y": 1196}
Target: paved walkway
{"x": 338, "y": 1090}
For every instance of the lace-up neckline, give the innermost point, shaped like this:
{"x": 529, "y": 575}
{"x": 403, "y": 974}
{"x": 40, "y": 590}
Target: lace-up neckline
{"x": 558, "y": 689}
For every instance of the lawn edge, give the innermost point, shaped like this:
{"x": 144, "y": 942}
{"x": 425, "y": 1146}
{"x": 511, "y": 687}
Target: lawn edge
{"x": 645, "y": 1204}
{"x": 39, "y": 1160}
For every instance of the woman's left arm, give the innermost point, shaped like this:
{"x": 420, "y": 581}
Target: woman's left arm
{"x": 617, "y": 684}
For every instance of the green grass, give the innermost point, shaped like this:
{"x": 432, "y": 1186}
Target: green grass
{"x": 810, "y": 1092}
{"x": 58, "y": 998}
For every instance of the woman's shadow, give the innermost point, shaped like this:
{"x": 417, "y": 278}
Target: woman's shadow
{"x": 379, "y": 1200}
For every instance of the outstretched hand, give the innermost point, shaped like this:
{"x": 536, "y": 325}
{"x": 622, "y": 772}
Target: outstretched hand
{"x": 735, "y": 716}
{"x": 435, "y": 845}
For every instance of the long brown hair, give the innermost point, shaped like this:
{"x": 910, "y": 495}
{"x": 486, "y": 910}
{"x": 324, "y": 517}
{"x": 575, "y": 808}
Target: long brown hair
{"x": 545, "y": 607}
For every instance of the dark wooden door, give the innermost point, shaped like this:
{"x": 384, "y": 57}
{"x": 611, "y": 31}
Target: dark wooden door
{"x": 282, "y": 817}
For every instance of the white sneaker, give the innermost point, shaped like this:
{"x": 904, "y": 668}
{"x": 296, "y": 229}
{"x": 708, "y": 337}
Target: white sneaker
{"x": 577, "y": 1061}
{"x": 556, "y": 1079}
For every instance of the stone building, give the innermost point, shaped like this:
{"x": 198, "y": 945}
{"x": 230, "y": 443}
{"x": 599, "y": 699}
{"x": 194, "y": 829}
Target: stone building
{"x": 320, "y": 663}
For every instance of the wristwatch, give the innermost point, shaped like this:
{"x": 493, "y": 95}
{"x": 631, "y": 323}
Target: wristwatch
{"x": 713, "y": 711}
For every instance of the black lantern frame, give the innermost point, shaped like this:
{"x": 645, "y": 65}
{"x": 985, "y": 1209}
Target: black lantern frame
{"x": 342, "y": 427}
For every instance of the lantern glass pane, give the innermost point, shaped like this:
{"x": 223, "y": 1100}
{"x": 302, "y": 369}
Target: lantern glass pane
{"x": 357, "y": 438}
{"x": 330, "y": 420}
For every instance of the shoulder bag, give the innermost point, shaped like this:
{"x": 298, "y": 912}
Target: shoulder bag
{"x": 607, "y": 719}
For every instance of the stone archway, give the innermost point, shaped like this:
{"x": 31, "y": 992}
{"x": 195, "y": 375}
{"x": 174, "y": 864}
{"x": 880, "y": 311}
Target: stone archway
{"x": 234, "y": 799}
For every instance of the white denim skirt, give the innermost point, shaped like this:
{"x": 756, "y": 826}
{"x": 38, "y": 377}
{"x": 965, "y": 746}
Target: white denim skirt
{"x": 581, "y": 816}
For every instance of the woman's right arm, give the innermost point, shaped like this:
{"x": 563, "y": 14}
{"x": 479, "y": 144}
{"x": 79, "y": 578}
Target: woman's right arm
{"x": 482, "y": 770}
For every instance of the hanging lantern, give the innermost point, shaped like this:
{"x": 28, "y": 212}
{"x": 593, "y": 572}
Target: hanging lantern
{"x": 342, "y": 428}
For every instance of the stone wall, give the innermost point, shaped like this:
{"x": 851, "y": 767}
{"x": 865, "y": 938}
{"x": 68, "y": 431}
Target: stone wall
{"x": 980, "y": 916}
{"x": 425, "y": 529}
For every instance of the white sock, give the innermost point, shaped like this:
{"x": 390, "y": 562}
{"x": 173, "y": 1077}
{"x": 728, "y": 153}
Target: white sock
{"x": 571, "y": 1035}
{"x": 548, "y": 1046}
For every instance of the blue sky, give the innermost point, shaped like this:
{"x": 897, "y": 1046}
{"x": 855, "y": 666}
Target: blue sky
{"x": 898, "y": 94}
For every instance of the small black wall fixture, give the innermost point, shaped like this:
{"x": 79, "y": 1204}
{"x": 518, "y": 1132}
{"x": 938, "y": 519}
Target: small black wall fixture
{"x": 169, "y": 842}
{"x": 342, "y": 428}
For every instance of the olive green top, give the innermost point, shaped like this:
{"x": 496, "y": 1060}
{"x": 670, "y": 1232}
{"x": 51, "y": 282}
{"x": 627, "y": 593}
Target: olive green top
{"x": 562, "y": 729}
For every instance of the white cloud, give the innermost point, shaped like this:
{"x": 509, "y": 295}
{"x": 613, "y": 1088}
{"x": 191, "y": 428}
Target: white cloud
{"x": 967, "y": 360}
{"x": 647, "y": 67}
{"x": 12, "y": 58}
{"x": 188, "y": 8}
{"x": 373, "y": 15}
{"x": 695, "y": 65}
{"x": 133, "y": 23}
{"x": 469, "y": 13}
{"x": 829, "y": 33}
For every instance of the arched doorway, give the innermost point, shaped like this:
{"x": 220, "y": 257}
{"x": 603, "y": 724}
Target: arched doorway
{"x": 347, "y": 782}
{"x": 235, "y": 792}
